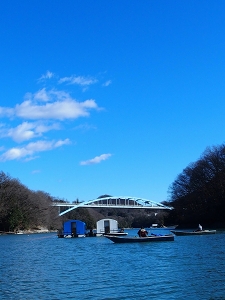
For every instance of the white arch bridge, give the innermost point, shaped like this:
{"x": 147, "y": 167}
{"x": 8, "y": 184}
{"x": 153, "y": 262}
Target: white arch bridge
{"x": 111, "y": 202}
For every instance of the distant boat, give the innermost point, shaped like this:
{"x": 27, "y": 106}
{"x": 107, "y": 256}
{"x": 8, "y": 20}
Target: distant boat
{"x": 151, "y": 238}
{"x": 156, "y": 226}
{"x": 202, "y": 232}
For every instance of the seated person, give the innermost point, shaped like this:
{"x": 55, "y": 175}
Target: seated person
{"x": 142, "y": 232}
{"x": 199, "y": 228}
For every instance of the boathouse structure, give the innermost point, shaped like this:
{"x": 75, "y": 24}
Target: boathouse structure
{"x": 106, "y": 226}
{"x": 72, "y": 228}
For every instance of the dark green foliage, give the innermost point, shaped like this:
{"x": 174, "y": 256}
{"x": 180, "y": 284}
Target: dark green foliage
{"x": 21, "y": 208}
{"x": 83, "y": 215}
{"x": 135, "y": 218}
{"x": 197, "y": 196}
{"x": 146, "y": 219}
{"x": 198, "y": 193}
{"x": 17, "y": 219}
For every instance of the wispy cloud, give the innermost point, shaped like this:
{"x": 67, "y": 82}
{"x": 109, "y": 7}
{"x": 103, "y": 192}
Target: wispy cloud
{"x": 6, "y": 112}
{"x": 79, "y": 80}
{"x": 107, "y": 83}
{"x": 85, "y": 127}
{"x": 35, "y": 171}
{"x": 96, "y": 160}
{"x": 47, "y": 75}
{"x": 31, "y": 149}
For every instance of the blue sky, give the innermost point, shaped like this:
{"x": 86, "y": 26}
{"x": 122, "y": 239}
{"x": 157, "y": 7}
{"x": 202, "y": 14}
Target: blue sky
{"x": 109, "y": 97}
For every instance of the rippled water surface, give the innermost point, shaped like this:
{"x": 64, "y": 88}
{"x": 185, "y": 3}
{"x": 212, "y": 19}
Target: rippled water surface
{"x": 42, "y": 266}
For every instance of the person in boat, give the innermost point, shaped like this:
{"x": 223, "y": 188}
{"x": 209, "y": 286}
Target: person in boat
{"x": 142, "y": 232}
{"x": 199, "y": 227}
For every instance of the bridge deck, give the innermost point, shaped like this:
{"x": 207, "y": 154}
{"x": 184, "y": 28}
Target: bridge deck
{"x": 112, "y": 202}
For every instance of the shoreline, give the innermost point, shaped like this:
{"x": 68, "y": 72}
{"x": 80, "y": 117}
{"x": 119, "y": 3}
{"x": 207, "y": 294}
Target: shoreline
{"x": 27, "y": 232}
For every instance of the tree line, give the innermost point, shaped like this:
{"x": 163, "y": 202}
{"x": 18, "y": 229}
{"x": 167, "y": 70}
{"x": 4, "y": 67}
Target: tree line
{"x": 198, "y": 193}
{"x": 22, "y": 208}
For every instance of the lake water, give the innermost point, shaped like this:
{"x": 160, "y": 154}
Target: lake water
{"x": 42, "y": 266}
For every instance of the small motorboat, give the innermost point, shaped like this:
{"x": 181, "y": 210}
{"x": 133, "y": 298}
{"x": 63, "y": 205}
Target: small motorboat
{"x": 158, "y": 227}
{"x": 199, "y": 232}
{"x": 135, "y": 239}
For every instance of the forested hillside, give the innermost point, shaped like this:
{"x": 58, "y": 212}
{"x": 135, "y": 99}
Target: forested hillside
{"x": 198, "y": 193}
{"x": 197, "y": 196}
{"x": 21, "y": 208}
{"x": 24, "y": 209}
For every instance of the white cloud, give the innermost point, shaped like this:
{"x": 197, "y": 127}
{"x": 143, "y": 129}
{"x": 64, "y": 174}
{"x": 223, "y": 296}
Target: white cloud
{"x": 61, "y": 143}
{"x": 42, "y": 127}
{"x": 27, "y": 152}
{"x": 27, "y": 131}
{"x": 79, "y": 80}
{"x": 96, "y": 160}
{"x": 22, "y": 132}
{"x": 41, "y": 95}
{"x": 59, "y": 106}
{"x": 61, "y": 110}
{"x": 43, "y": 111}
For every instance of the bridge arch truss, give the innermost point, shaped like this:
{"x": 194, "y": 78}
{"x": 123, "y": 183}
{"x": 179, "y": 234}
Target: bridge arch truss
{"x": 112, "y": 202}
